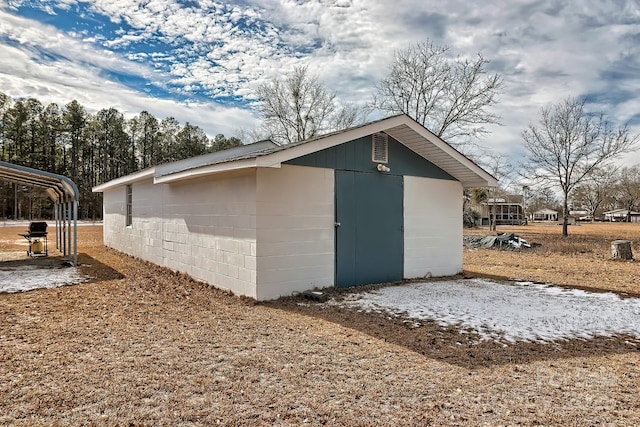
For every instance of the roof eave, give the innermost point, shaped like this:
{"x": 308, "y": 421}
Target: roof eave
{"x": 124, "y": 180}
{"x": 479, "y": 183}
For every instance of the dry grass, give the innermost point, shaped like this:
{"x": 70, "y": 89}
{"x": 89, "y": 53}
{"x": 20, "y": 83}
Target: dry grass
{"x": 138, "y": 345}
{"x": 583, "y": 259}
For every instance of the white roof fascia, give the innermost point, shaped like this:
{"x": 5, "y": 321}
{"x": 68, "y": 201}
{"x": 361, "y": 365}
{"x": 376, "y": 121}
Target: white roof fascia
{"x": 209, "y": 170}
{"x": 124, "y": 180}
{"x": 622, "y": 210}
{"x": 484, "y": 179}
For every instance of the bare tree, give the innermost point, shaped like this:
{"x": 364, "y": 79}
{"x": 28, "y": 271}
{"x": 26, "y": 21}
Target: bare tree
{"x": 347, "y": 115}
{"x": 500, "y": 167}
{"x": 595, "y": 190}
{"x": 299, "y": 107}
{"x": 449, "y": 96}
{"x": 628, "y": 189}
{"x": 541, "y": 197}
{"x": 569, "y": 145}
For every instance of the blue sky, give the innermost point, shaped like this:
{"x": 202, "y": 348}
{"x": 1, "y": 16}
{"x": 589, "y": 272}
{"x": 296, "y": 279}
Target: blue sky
{"x": 200, "y": 61}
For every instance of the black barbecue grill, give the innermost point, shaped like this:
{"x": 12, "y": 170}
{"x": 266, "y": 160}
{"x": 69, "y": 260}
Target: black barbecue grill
{"x": 37, "y": 237}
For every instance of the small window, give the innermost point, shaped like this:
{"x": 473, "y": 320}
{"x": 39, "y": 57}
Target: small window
{"x": 129, "y": 205}
{"x": 380, "y": 148}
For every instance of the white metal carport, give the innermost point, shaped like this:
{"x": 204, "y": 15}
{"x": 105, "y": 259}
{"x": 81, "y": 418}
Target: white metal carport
{"x": 64, "y": 193}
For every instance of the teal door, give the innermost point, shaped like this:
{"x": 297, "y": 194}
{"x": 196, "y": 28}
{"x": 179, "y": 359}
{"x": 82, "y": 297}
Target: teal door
{"x": 369, "y": 228}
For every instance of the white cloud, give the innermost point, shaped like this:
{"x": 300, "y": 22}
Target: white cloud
{"x": 545, "y": 50}
{"x": 78, "y": 73}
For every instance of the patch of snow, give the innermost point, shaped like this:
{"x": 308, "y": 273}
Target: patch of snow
{"x": 521, "y": 311}
{"x": 29, "y": 277}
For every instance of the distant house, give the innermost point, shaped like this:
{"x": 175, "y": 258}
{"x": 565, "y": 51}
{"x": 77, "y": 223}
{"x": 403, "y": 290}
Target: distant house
{"x": 545, "y": 215}
{"x": 508, "y": 210}
{"x": 375, "y": 203}
{"x": 622, "y": 215}
{"x": 578, "y": 213}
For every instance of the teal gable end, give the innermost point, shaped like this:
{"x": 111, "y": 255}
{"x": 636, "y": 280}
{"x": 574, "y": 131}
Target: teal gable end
{"x": 356, "y": 156}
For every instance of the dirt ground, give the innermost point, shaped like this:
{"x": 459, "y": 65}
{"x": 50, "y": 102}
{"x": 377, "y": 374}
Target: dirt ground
{"x": 139, "y": 345}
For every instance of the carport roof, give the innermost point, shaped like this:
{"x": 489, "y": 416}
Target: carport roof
{"x": 58, "y": 187}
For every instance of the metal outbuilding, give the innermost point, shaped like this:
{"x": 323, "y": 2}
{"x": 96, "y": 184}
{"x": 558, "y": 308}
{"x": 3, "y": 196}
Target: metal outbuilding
{"x": 64, "y": 193}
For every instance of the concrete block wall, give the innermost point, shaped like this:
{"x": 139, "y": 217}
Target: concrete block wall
{"x": 113, "y": 205}
{"x": 432, "y": 227}
{"x": 143, "y": 238}
{"x": 295, "y": 230}
{"x": 205, "y": 228}
{"x": 208, "y": 228}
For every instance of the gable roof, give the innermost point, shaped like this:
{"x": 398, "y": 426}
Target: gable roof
{"x": 268, "y": 154}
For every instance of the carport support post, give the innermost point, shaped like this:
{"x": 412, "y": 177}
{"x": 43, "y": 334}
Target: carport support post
{"x": 63, "y": 223}
{"x": 75, "y": 233}
{"x": 69, "y": 230}
{"x": 55, "y": 219}
{"x": 58, "y": 225}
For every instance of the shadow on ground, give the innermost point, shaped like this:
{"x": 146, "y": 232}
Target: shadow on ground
{"x": 95, "y": 270}
{"x": 19, "y": 261}
{"x": 452, "y": 344}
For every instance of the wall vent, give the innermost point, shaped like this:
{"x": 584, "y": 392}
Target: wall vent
{"x": 380, "y": 148}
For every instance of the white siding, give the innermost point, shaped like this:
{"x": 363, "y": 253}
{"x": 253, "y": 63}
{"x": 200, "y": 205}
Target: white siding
{"x": 295, "y": 230}
{"x": 432, "y": 227}
{"x": 205, "y": 228}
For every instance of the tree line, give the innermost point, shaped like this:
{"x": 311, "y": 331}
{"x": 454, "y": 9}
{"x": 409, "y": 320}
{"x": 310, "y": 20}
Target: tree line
{"x": 88, "y": 148}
